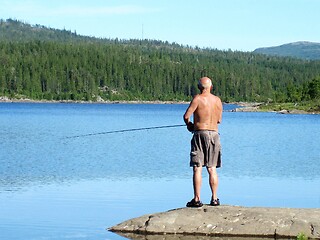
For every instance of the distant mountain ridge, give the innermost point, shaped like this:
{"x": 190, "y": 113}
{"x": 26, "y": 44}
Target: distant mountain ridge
{"x": 17, "y": 31}
{"x": 12, "y": 30}
{"x": 302, "y": 50}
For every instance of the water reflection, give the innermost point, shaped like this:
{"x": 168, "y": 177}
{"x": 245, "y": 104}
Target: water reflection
{"x": 135, "y": 236}
{"x": 55, "y": 188}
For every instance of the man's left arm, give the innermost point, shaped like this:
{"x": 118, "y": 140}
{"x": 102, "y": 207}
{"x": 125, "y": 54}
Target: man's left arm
{"x": 220, "y": 109}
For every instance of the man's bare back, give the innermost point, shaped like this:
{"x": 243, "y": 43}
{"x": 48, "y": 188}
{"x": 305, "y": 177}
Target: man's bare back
{"x": 207, "y": 114}
{"x": 206, "y": 109}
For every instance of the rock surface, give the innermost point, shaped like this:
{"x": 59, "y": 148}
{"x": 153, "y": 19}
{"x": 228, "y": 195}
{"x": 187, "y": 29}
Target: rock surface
{"x": 227, "y": 221}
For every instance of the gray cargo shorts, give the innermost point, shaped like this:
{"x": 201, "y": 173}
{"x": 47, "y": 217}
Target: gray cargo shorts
{"x": 205, "y": 149}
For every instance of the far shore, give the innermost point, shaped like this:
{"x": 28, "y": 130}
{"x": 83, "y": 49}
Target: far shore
{"x": 243, "y": 106}
{"x": 100, "y": 101}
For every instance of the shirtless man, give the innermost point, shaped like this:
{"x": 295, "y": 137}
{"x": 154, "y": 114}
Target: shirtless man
{"x": 205, "y": 144}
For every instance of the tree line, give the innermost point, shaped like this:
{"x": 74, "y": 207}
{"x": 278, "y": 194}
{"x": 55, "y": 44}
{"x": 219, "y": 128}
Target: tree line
{"x": 114, "y": 69}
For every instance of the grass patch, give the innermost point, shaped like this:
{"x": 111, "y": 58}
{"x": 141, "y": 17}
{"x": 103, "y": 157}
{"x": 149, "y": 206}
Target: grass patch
{"x": 309, "y": 106}
{"x": 302, "y": 236}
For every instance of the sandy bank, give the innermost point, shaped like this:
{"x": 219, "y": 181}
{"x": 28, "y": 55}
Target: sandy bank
{"x": 226, "y": 221}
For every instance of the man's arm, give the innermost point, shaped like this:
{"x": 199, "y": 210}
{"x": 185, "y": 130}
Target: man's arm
{"x": 220, "y": 108}
{"x": 190, "y": 110}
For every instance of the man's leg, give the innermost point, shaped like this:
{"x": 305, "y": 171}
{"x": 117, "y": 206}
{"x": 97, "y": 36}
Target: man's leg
{"x": 197, "y": 181}
{"x": 213, "y": 181}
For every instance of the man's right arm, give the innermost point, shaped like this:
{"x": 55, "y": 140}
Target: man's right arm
{"x": 190, "y": 110}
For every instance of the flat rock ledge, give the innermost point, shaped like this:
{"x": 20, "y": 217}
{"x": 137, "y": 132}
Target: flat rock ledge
{"x": 227, "y": 221}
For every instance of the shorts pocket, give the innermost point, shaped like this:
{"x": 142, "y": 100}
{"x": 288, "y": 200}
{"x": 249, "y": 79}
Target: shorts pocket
{"x": 194, "y": 159}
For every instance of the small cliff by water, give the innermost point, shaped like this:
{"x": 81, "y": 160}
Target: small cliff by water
{"x": 225, "y": 221}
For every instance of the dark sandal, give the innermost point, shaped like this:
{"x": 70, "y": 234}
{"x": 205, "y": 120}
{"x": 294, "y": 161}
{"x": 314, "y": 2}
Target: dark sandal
{"x": 194, "y": 203}
{"x": 215, "y": 202}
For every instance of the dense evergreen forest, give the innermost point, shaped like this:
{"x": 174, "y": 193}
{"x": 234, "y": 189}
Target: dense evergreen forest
{"x": 44, "y": 63}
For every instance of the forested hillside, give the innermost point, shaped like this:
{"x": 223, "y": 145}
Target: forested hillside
{"x": 303, "y": 50}
{"x": 42, "y": 63}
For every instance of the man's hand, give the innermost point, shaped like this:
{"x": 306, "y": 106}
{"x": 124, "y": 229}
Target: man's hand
{"x": 190, "y": 127}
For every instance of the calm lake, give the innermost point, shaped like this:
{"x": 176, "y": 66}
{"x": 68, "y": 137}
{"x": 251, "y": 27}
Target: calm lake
{"x": 55, "y": 187}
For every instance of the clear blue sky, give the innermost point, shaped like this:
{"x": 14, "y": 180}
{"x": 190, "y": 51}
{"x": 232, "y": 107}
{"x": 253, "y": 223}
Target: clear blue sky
{"x": 223, "y": 24}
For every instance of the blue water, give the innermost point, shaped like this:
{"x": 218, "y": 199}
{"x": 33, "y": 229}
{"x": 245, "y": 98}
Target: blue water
{"x": 56, "y": 187}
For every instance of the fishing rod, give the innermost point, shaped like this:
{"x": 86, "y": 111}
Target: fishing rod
{"x": 126, "y": 130}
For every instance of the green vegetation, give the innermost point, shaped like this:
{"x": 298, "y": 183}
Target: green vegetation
{"x": 306, "y": 98}
{"x": 305, "y": 106}
{"x": 43, "y": 63}
{"x": 302, "y": 236}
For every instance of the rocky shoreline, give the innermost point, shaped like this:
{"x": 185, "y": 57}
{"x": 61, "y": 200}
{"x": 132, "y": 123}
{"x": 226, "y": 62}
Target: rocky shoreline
{"x": 27, "y": 100}
{"x": 256, "y": 107}
{"x": 224, "y": 221}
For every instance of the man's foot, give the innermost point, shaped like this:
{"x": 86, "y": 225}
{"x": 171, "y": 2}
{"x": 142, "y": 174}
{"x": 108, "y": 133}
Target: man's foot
{"x": 215, "y": 202}
{"x": 194, "y": 203}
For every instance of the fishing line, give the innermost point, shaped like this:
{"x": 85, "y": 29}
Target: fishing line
{"x": 125, "y": 130}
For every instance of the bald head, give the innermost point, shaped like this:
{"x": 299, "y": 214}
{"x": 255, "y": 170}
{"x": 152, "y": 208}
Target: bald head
{"x": 205, "y": 83}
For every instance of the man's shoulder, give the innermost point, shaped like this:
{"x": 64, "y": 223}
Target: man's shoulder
{"x": 215, "y": 97}
{"x": 196, "y": 97}
{"x": 201, "y": 97}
